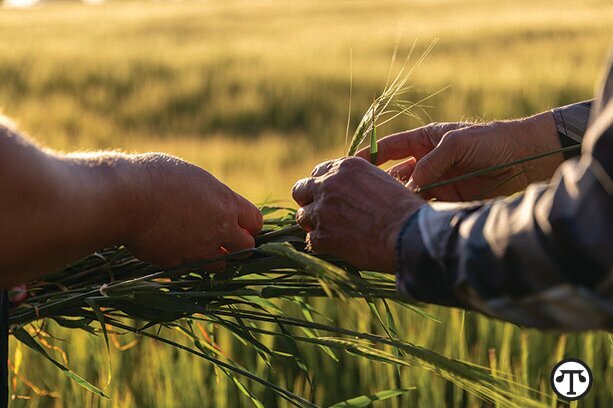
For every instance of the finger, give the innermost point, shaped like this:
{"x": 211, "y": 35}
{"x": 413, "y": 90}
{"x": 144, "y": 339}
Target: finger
{"x": 435, "y": 164}
{"x": 208, "y": 254}
{"x": 312, "y": 242}
{"x": 249, "y": 216}
{"x": 304, "y": 218}
{"x": 238, "y": 241}
{"x": 303, "y": 191}
{"x": 322, "y": 168}
{"x": 403, "y": 171}
{"x": 217, "y": 265}
{"x": 398, "y": 146}
{"x": 318, "y": 242}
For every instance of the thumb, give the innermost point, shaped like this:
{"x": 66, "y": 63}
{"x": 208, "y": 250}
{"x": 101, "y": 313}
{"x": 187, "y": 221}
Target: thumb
{"x": 433, "y": 166}
{"x": 249, "y": 217}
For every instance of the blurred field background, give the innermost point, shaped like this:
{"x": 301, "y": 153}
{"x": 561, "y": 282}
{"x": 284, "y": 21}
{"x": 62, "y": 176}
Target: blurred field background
{"x": 257, "y": 92}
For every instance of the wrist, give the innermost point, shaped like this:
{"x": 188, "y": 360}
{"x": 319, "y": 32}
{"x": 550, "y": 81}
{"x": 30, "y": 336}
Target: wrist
{"x": 538, "y": 134}
{"x": 540, "y": 130}
{"x": 394, "y": 229}
{"x": 106, "y": 191}
{"x": 134, "y": 196}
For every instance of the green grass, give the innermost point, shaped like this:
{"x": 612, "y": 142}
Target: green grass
{"x": 258, "y": 93}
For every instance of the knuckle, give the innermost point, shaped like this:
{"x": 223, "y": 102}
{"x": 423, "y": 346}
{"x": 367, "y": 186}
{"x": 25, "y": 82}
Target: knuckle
{"x": 316, "y": 169}
{"x": 434, "y": 131}
{"x": 424, "y": 166}
{"x": 319, "y": 209}
{"x": 296, "y": 186}
{"x": 322, "y": 168}
{"x": 312, "y": 241}
{"x": 455, "y": 144}
{"x": 351, "y": 163}
{"x": 331, "y": 180}
{"x": 244, "y": 241}
{"x": 300, "y": 215}
{"x": 161, "y": 159}
{"x": 300, "y": 185}
{"x": 330, "y": 184}
{"x": 434, "y": 126}
{"x": 316, "y": 242}
{"x": 453, "y": 138}
{"x": 259, "y": 217}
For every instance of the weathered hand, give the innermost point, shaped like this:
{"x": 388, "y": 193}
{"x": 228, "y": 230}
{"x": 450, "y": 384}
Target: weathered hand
{"x": 184, "y": 214}
{"x": 353, "y": 210}
{"x": 441, "y": 151}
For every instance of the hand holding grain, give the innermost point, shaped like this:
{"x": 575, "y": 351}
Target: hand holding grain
{"x": 441, "y": 151}
{"x": 353, "y": 210}
{"x": 184, "y": 214}
{"x": 63, "y": 207}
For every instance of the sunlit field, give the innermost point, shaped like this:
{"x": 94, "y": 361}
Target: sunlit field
{"x": 257, "y": 92}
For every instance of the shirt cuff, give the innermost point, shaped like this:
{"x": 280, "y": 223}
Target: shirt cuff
{"x": 572, "y": 121}
{"x": 421, "y": 273}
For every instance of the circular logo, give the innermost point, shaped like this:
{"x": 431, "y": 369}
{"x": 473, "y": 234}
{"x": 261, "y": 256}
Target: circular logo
{"x": 571, "y": 379}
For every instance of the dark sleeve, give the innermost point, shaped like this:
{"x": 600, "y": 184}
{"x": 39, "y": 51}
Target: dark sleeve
{"x": 543, "y": 258}
{"x": 572, "y": 122}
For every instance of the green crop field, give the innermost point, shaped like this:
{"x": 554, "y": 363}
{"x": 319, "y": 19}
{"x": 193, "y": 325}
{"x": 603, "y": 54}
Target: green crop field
{"x": 257, "y": 92}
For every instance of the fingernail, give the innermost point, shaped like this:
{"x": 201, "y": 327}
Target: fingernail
{"x": 412, "y": 185}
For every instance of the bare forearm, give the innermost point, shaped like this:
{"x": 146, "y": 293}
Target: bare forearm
{"x": 56, "y": 208}
{"x": 538, "y": 135}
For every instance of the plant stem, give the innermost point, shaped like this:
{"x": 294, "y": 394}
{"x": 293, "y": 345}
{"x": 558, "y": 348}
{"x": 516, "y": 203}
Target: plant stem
{"x": 494, "y": 168}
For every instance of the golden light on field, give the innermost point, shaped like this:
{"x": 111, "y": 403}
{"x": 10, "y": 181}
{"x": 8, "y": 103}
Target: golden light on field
{"x": 31, "y": 3}
{"x": 19, "y": 3}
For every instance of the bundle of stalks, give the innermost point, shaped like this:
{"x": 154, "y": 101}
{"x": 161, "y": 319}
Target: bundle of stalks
{"x": 111, "y": 290}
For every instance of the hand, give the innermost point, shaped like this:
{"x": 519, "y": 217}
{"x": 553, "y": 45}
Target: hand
{"x": 62, "y": 207}
{"x": 183, "y": 214}
{"x": 353, "y": 210}
{"x": 441, "y": 151}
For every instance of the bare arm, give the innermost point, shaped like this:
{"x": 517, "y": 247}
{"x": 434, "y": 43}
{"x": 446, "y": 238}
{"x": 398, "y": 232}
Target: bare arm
{"x": 54, "y": 209}
{"x": 57, "y": 208}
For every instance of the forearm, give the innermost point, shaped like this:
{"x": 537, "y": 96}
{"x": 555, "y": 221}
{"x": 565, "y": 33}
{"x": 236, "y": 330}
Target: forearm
{"x": 524, "y": 259}
{"x": 537, "y": 134}
{"x": 56, "y": 208}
